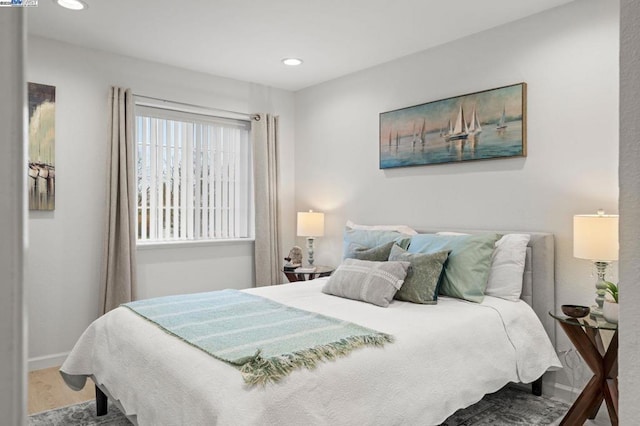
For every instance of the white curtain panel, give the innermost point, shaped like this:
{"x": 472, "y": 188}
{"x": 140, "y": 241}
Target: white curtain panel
{"x": 264, "y": 137}
{"x": 119, "y": 267}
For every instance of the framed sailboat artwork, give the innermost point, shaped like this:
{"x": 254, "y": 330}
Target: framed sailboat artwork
{"x": 42, "y": 131}
{"x": 477, "y": 126}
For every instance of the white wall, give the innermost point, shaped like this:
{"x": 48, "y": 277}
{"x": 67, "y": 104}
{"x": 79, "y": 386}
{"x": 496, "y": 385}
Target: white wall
{"x": 12, "y": 211}
{"x": 568, "y": 57}
{"x": 63, "y": 266}
{"x": 629, "y": 212}
{"x": 191, "y": 269}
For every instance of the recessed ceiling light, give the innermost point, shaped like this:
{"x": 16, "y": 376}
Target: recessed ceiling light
{"x": 72, "y": 4}
{"x": 292, "y": 62}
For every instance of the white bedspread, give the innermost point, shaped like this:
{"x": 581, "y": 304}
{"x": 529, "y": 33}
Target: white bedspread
{"x": 445, "y": 357}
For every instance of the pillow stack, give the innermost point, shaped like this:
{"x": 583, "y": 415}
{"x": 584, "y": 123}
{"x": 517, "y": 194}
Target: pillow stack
{"x": 394, "y": 262}
{"x": 365, "y": 273}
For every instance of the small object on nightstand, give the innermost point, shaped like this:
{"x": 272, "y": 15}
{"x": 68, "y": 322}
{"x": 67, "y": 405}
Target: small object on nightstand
{"x": 289, "y": 266}
{"x": 295, "y": 257}
{"x": 294, "y": 260}
{"x": 305, "y": 270}
{"x": 575, "y": 311}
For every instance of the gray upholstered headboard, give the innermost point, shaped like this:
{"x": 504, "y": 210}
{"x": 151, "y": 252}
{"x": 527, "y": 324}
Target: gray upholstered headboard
{"x": 539, "y": 275}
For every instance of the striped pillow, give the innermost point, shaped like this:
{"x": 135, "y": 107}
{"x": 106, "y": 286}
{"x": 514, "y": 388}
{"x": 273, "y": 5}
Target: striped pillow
{"x": 371, "y": 282}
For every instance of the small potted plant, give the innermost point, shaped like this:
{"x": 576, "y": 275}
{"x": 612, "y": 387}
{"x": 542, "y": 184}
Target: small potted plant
{"x": 610, "y": 309}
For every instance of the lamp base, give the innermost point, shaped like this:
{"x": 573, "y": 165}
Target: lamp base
{"x": 310, "y": 250}
{"x": 601, "y": 270}
{"x": 595, "y": 312}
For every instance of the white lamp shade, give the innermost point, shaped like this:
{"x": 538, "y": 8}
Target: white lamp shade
{"x": 310, "y": 224}
{"x": 595, "y": 237}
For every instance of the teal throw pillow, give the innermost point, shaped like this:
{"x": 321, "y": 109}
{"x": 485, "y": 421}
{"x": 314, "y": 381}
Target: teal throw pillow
{"x": 372, "y": 238}
{"x": 467, "y": 270}
{"x": 376, "y": 254}
{"x": 421, "y": 283}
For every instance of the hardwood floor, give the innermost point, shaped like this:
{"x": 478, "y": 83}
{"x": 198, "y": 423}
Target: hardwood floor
{"x": 47, "y": 391}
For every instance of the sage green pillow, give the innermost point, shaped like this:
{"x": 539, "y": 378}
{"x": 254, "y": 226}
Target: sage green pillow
{"x": 467, "y": 270}
{"x": 376, "y": 254}
{"x": 372, "y": 238}
{"x": 421, "y": 283}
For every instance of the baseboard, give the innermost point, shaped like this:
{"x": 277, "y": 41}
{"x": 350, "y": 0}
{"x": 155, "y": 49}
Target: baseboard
{"x": 565, "y": 393}
{"x": 47, "y": 361}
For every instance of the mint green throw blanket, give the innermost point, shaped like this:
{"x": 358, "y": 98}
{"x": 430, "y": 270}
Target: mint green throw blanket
{"x": 266, "y": 340}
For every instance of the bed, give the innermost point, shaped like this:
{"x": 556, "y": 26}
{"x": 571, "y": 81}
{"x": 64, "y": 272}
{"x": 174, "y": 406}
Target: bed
{"x": 444, "y": 357}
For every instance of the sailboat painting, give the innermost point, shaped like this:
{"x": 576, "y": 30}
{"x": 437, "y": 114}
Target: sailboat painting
{"x": 42, "y": 133}
{"x": 478, "y": 126}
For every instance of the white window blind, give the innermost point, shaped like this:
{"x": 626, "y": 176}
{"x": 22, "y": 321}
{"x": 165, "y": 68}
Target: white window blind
{"x": 193, "y": 176}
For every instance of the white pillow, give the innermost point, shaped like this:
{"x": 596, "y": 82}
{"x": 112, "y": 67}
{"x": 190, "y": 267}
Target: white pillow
{"x": 403, "y": 229}
{"x": 507, "y": 266}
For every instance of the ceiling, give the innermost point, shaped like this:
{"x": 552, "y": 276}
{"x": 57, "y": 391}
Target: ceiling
{"x": 246, "y": 39}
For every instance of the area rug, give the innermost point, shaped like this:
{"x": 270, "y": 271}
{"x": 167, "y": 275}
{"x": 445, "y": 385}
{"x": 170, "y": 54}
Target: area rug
{"x": 83, "y": 414}
{"x": 509, "y": 406}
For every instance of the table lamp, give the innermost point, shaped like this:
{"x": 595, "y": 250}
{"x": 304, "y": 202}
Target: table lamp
{"x": 595, "y": 237}
{"x": 310, "y": 225}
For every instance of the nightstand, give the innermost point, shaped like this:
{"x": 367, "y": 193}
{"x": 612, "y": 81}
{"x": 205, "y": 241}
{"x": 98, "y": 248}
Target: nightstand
{"x": 585, "y": 335}
{"x": 321, "y": 271}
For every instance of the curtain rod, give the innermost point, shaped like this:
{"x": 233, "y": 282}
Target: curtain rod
{"x": 250, "y": 116}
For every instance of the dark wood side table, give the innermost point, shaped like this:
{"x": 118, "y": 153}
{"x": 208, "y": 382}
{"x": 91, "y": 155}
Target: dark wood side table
{"x": 585, "y": 335}
{"x": 321, "y": 271}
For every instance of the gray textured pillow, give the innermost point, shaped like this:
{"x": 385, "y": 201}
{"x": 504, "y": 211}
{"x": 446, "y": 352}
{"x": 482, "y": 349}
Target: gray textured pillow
{"x": 377, "y": 254}
{"x": 423, "y": 276}
{"x": 372, "y": 282}
{"x": 467, "y": 270}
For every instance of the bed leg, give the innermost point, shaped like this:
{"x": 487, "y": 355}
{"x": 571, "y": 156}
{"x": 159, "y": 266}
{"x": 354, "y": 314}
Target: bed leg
{"x": 101, "y": 402}
{"x": 536, "y": 387}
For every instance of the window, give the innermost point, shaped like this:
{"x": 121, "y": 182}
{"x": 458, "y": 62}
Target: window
{"x": 194, "y": 178}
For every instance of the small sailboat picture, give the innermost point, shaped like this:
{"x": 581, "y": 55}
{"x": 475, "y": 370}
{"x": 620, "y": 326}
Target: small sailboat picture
{"x": 416, "y": 137}
{"x": 502, "y": 125}
{"x": 474, "y": 127}
{"x": 460, "y": 129}
{"x": 447, "y": 130}
{"x": 424, "y": 132}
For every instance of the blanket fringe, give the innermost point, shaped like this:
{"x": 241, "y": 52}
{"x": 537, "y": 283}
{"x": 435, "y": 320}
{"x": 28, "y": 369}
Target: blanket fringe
{"x": 261, "y": 371}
